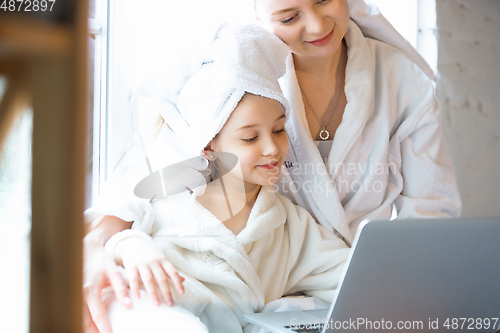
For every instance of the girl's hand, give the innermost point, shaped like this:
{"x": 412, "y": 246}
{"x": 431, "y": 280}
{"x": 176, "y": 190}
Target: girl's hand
{"x": 144, "y": 261}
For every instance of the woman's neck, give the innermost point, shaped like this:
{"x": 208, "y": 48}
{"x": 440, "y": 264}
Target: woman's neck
{"x": 321, "y": 82}
{"x": 322, "y": 69}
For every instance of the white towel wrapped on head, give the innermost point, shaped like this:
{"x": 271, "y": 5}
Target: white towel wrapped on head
{"x": 245, "y": 59}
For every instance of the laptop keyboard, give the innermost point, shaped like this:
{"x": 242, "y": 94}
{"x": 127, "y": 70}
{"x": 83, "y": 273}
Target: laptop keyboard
{"x": 306, "y": 328}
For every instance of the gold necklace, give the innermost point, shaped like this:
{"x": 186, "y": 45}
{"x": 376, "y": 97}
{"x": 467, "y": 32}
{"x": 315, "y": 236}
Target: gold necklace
{"x": 324, "y": 134}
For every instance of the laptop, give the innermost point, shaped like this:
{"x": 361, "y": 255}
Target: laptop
{"x": 419, "y": 275}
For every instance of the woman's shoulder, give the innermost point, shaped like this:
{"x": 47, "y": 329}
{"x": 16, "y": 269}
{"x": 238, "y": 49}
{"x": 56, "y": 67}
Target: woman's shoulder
{"x": 392, "y": 72}
{"x": 392, "y": 63}
{"x": 384, "y": 55}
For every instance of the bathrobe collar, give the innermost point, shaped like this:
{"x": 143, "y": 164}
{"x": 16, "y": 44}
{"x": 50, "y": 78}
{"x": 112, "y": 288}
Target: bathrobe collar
{"x": 189, "y": 218}
{"x": 323, "y": 201}
{"x": 209, "y": 235}
{"x": 266, "y": 215}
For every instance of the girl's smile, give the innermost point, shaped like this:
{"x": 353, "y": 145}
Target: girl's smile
{"x": 269, "y": 165}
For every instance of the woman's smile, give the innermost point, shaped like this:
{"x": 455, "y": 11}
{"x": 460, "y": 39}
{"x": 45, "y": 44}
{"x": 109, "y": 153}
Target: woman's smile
{"x": 322, "y": 41}
{"x": 311, "y": 28}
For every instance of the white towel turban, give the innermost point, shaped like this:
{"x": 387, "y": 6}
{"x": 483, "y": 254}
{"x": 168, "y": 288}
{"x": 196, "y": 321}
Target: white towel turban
{"x": 244, "y": 58}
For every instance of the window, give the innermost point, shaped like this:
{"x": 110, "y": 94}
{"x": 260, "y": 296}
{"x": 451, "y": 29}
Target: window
{"x": 98, "y": 46}
{"x": 137, "y": 42}
{"x": 416, "y": 21}
{"x": 15, "y": 220}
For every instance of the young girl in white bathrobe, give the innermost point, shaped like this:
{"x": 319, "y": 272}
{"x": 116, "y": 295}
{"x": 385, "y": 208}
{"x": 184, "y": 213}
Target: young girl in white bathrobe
{"x": 236, "y": 242}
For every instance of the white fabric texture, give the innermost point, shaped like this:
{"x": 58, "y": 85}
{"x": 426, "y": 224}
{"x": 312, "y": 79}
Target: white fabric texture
{"x": 282, "y": 250}
{"x": 111, "y": 244}
{"x": 388, "y": 148}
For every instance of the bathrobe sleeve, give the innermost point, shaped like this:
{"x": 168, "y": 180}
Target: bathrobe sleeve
{"x": 318, "y": 255}
{"x": 418, "y": 149}
{"x": 429, "y": 180}
{"x": 117, "y": 196}
{"x": 118, "y": 200}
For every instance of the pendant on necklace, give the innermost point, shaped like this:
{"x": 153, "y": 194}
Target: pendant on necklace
{"x": 324, "y": 134}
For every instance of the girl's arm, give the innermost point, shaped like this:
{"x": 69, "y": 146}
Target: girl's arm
{"x": 108, "y": 226}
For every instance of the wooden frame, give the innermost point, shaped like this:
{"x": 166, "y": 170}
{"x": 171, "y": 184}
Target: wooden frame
{"x": 46, "y": 67}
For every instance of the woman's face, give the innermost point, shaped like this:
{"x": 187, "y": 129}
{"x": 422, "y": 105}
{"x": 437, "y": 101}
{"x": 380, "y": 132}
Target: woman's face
{"x": 255, "y": 133}
{"x": 313, "y": 28}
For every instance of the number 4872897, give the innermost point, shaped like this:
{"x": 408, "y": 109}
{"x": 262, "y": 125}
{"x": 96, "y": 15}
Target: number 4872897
{"x": 27, "y": 5}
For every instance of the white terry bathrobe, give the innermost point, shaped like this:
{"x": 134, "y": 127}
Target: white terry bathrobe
{"x": 282, "y": 250}
{"x": 388, "y": 148}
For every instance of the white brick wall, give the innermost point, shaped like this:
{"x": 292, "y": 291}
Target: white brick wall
{"x": 468, "y": 87}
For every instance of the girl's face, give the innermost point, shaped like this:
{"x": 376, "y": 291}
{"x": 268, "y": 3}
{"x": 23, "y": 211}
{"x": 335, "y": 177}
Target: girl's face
{"x": 255, "y": 133}
{"x": 313, "y": 28}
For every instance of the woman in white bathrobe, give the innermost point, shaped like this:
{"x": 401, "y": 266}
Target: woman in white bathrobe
{"x": 370, "y": 111}
{"x": 378, "y": 107}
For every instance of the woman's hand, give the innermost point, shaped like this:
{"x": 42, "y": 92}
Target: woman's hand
{"x": 144, "y": 261}
{"x": 100, "y": 272}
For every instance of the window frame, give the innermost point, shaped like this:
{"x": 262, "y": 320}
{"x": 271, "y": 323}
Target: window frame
{"x": 98, "y": 30}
